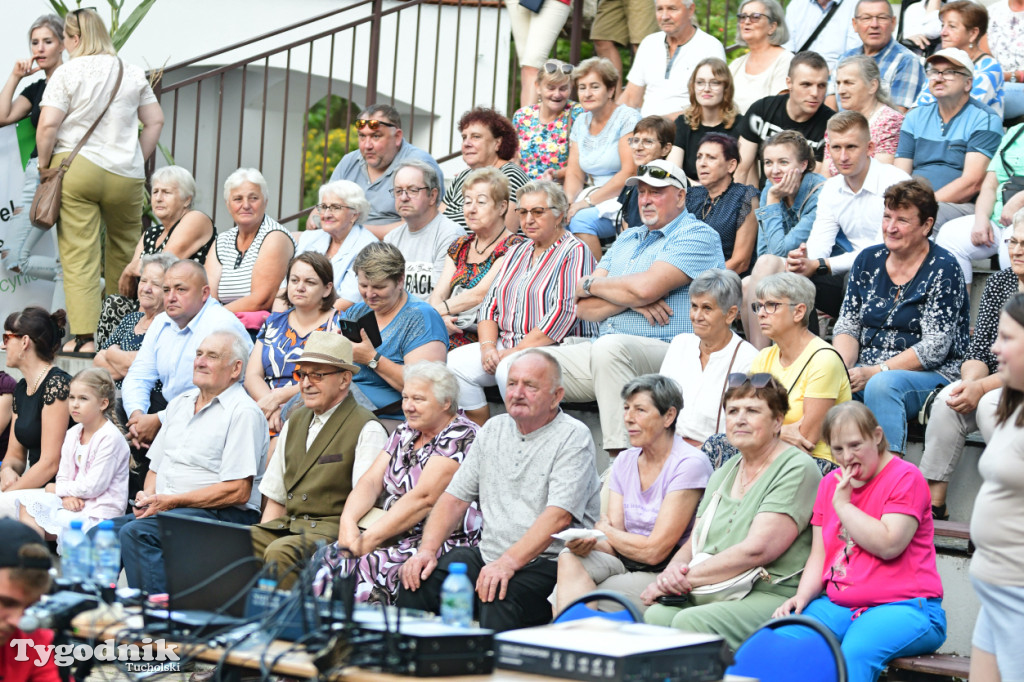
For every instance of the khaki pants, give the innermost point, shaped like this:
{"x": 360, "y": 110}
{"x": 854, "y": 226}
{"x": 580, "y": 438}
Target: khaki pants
{"x": 91, "y": 197}
{"x": 287, "y": 550}
{"x": 599, "y": 370}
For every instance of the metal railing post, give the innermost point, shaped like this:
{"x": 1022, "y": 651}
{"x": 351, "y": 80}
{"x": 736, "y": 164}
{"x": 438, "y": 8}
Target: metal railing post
{"x": 576, "y": 33}
{"x": 373, "y": 57}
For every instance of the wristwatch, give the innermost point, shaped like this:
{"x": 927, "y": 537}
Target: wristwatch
{"x": 372, "y": 364}
{"x": 587, "y": 281}
{"x": 883, "y": 367}
{"x": 822, "y": 267}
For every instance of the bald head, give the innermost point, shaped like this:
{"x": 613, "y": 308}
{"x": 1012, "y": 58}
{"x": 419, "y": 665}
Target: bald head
{"x": 186, "y": 288}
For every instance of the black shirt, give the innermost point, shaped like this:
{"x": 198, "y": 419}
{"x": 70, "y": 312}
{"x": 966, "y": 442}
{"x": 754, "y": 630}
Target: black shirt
{"x": 28, "y": 428}
{"x": 768, "y": 116}
{"x": 689, "y": 139}
{"x": 34, "y": 94}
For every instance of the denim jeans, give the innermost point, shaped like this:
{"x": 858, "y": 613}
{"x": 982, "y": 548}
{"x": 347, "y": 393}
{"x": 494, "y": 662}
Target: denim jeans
{"x": 23, "y": 236}
{"x": 1013, "y": 100}
{"x": 896, "y": 396}
{"x": 875, "y": 636}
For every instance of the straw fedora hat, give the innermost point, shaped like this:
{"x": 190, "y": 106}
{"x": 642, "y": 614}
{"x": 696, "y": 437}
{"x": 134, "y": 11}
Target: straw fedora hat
{"x": 328, "y": 348}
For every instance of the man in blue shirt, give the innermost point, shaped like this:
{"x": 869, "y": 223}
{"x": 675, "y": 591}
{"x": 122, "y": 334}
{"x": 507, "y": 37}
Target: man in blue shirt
{"x": 949, "y": 142}
{"x": 640, "y": 295}
{"x": 901, "y": 71}
{"x": 170, "y": 344}
{"x": 382, "y": 149}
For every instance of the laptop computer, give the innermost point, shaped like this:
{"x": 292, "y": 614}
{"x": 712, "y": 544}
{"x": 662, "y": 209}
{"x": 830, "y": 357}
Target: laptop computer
{"x": 210, "y": 567}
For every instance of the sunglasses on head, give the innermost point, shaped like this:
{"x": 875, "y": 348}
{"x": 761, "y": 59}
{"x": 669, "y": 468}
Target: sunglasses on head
{"x": 759, "y": 380}
{"x": 654, "y": 172}
{"x": 372, "y": 123}
{"x": 552, "y": 67}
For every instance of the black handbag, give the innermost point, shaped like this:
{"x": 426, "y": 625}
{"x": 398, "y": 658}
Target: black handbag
{"x": 532, "y": 5}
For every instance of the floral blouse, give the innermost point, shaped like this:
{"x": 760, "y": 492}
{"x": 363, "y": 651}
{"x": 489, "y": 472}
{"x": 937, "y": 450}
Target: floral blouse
{"x": 930, "y": 313}
{"x": 999, "y": 288}
{"x": 544, "y": 146}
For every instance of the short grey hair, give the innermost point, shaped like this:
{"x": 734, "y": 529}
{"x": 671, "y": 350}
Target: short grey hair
{"x": 776, "y": 15}
{"x": 390, "y": 113}
{"x": 349, "y": 192}
{"x": 242, "y": 176}
{"x": 790, "y": 286}
{"x": 380, "y": 261}
{"x": 164, "y": 259}
{"x": 180, "y": 178}
{"x": 1018, "y": 219}
{"x": 557, "y": 201}
{"x": 430, "y": 179}
{"x": 556, "y": 369}
{"x": 664, "y": 392}
{"x": 442, "y": 381}
{"x": 236, "y": 347}
{"x": 868, "y": 68}
{"x": 722, "y": 285}
{"x": 879, "y": 2}
{"x": 48, "y": 21}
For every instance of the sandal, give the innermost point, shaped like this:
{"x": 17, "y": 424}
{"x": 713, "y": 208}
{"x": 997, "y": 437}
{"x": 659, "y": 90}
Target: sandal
{"x": 939, "y": 513}
{"x": 79, "y": 343}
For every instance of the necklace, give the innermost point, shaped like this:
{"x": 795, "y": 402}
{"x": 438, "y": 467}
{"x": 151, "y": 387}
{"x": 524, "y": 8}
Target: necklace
{"x": 480, "y": 252}
{"x": 750, "y": 480}
{"x": 39, "y": 378}
{"x": 708, "y": 208}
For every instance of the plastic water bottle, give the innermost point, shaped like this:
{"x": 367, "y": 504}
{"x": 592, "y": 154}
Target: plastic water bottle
{"x": 106, "y": 553}
{"x": 457, "y": 597}
{"x": 76, "y": 559}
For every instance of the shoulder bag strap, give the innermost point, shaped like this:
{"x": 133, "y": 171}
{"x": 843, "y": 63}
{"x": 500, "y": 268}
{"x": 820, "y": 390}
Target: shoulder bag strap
{"x": 705, "y": 522}
{"x": 117, "y": 85}
{"x": 793, "y": 385}
{"x": 725, "y": 384}
{"x": 814, "y": 192}
{"x": 820, "y": 27}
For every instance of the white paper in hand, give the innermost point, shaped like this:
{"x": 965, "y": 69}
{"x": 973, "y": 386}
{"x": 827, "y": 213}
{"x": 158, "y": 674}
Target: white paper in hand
{"x": 579, "y": 534}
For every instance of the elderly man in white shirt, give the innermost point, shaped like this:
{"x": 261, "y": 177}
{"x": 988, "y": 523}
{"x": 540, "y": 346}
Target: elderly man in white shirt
{"x": 848, "y": 220}
{"x": 325, "y": 446}
{"x": 205, "y": 462}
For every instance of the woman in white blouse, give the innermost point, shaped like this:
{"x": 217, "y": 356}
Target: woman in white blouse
{"x": 702, "y": 361}
{"x": 762, "y": 71}
{"x": 105, "y": 181}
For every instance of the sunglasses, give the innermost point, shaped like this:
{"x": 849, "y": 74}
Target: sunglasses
{"x": 654, "y": 172}
{"x": 372, "y": 123}
{"x": 752, "y": 16}
{"x": 537, "y": 212}
{"x": 759, "y": 380}
{"x": 11, "y": 335}
{"x": 553, "y": 67}
{"x": 314, "y": 377}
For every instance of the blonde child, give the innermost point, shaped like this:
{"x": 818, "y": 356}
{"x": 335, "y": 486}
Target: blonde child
{"x": 92, "y": 481}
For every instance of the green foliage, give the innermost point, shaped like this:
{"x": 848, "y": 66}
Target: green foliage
{"x": 338, "y": 141}
{"x": 119, "y": 32}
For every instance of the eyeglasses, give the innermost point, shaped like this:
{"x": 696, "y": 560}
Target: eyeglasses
{"x": 372, "y": 123}
{"x": 554, "y": 67}
{"x": 770, "y": 307}
{"x": 752, "y": 16}
{"x": 759, "y": 380}
{"x": 314, "y": 377}
{"x": 869, "y": 18}
{"x": 333, "y": 208}
{"x": 641, "y": 142}
{"x": 11, "y": 335}
{"x": 1011, "y": 244}
{"x": 406, "y": 191}
{"x": 537, "y": 212}
{"x": 713, "y": 84}
{"x": 935, "y": 74}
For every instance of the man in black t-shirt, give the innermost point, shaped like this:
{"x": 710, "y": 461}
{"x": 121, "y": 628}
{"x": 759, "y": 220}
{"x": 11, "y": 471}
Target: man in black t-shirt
{"x": 802, "y": 109}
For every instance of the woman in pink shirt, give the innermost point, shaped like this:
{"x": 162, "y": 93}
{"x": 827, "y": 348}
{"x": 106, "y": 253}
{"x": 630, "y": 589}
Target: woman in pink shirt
{"x": 871, "y": 576}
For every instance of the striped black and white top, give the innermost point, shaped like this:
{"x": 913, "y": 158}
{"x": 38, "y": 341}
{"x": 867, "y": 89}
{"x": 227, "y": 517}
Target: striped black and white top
{"x": 236, "y": 266}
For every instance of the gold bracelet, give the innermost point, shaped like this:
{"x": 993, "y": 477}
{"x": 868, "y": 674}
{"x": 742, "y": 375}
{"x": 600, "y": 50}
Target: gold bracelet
{"x": 493, "y": 343}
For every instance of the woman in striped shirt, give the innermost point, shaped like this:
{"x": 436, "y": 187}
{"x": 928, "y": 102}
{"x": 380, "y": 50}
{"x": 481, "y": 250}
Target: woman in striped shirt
{"x": 249, "y": 260}
{"x": 531, "y": 302}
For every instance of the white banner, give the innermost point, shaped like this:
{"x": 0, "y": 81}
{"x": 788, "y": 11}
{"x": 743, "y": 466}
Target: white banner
{"x": 17, "y": 291}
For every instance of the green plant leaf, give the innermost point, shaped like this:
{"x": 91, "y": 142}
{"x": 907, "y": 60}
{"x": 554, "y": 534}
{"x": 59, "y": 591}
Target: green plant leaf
{"x": 121, "y": 34}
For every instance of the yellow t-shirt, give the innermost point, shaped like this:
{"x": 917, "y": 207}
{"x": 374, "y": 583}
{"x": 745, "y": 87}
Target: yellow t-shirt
{"x": 824, "y": 377}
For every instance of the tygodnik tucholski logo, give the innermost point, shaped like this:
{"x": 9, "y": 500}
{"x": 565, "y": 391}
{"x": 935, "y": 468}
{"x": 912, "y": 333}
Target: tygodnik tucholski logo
{"x": 146, "y": 656}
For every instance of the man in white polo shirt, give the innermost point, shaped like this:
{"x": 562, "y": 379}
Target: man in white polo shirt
{"x": 658, "y": 82}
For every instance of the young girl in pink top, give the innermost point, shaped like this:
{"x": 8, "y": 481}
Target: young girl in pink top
{"x": 92, "y": 481}
{"x": 873, "y": 551}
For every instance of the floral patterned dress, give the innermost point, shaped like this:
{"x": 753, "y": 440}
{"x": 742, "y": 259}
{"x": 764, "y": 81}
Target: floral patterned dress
{"x": 544, "y": 146}
{"x": 378, "y": 574}
{"x": 468, "y": 275}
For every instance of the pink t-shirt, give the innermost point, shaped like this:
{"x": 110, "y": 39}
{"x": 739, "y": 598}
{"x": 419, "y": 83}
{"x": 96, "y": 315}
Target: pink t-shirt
{"x": 855, "y": 578}
{"x": 685, "y": 469}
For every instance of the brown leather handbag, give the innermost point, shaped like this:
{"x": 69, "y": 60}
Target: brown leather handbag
{"x": 46, "y": 203}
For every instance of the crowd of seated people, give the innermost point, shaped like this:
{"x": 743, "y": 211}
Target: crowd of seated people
{"x": 670, "y": 268}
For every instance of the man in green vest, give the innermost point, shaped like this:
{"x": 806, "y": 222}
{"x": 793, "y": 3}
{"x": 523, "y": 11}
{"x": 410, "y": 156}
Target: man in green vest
{"x": 310, "y": 473}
